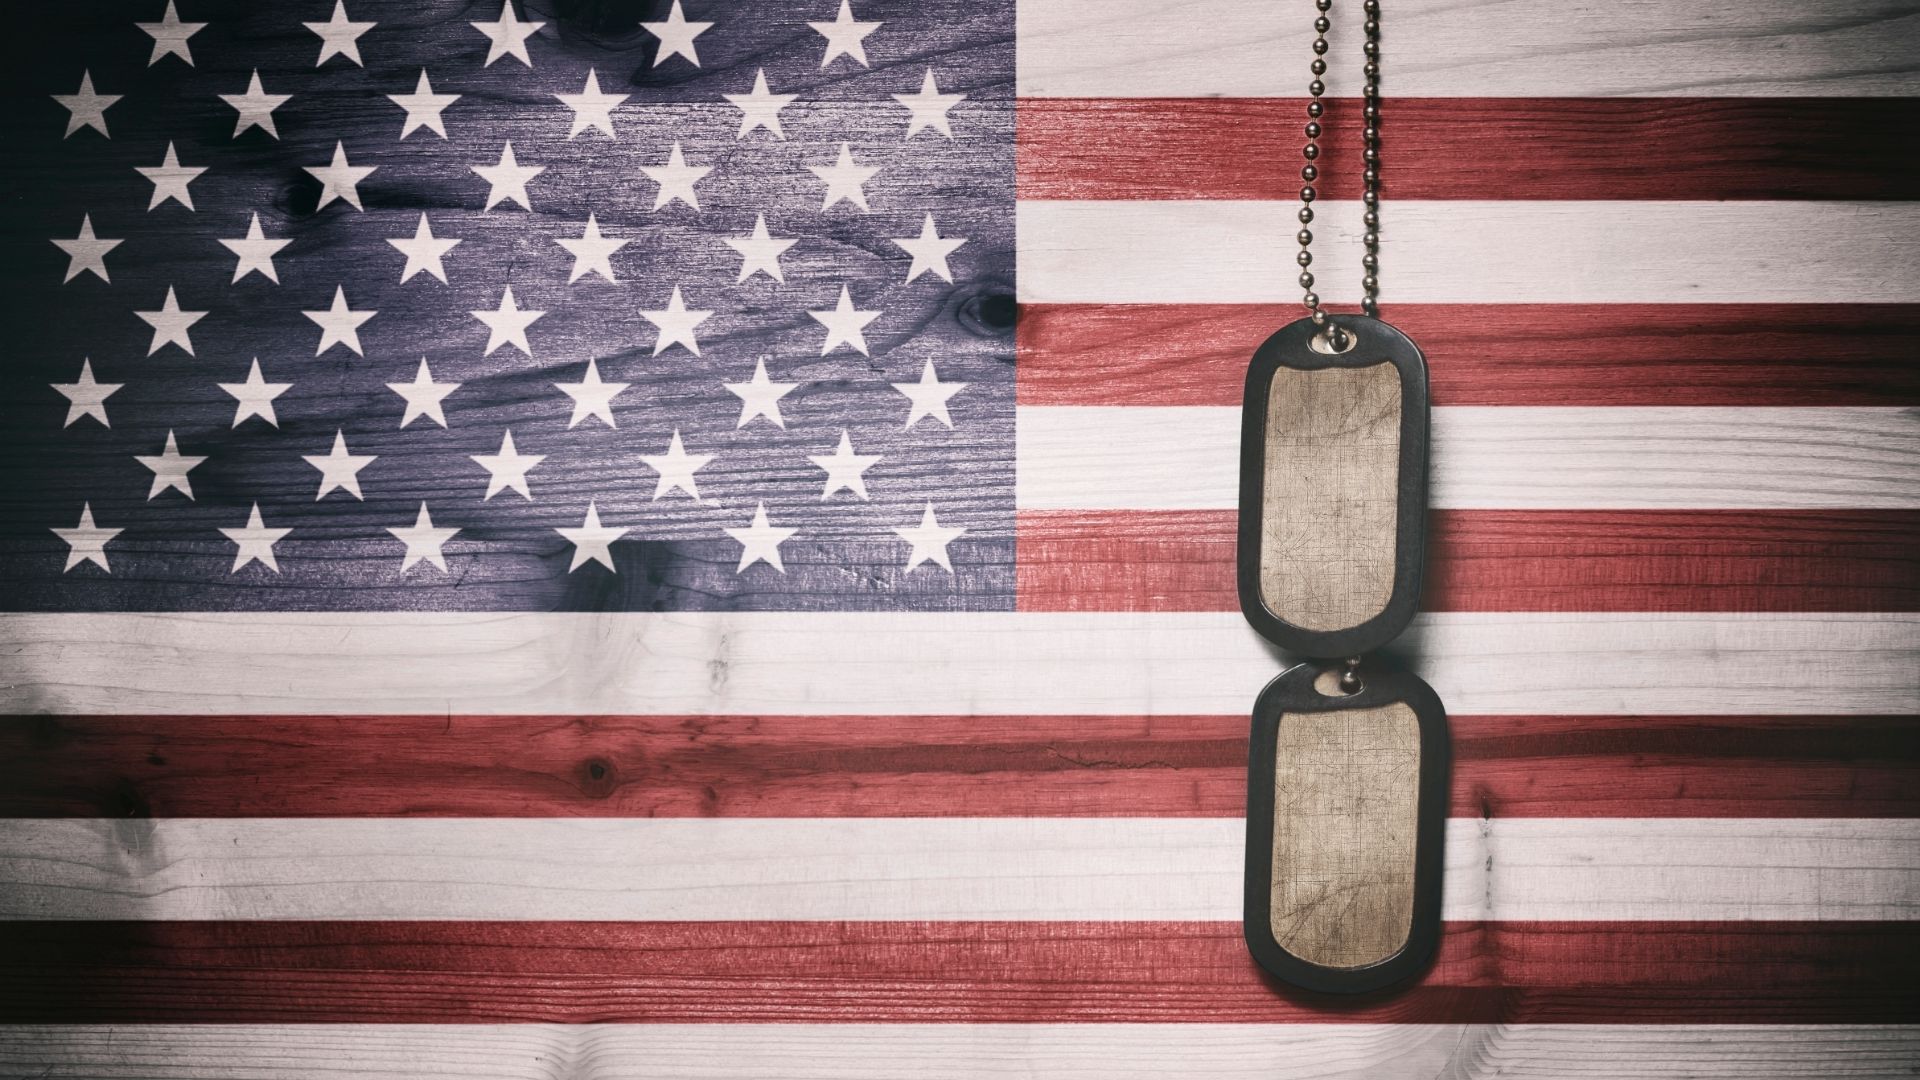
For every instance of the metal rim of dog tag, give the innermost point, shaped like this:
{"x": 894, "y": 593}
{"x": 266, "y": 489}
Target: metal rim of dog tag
{"x": 1303, "y": 692}
{"x": 1303, "y": 345}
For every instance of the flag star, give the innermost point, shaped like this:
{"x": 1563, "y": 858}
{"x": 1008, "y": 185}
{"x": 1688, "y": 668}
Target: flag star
{"x": 256, "y": 251}
{"x": 255, "y": 107}
{"x": 508, "y": 324}
{"x": 929, "y": 108}
{"x": 338, "y": 468}
{"x": 676, "y": 36}
{"x": 255, "y": 542}
{"x": 845, "y": 324}
{"x": 592, "y": 253}
{"x": 845, "y": 469}
{"x": 423, "y": 251}
{"x": 508, "y": 468}
{"x": 339, "y": 325}
{"x": 424, "y": 541}
{"x": 760, "y": 108}
{"x": 845, "y": 36}
{"x": 676, "y": 468}
{"x": 929, "y": 396}
{"x": 86, "y": 108}
{"x": 424, "y": 108}
{"x": 591, "y": 397}
{"x": 170, "y": 36}
{"x": 676, "y": 325}
{"x": 760, "y": 541}
{"x": 423, "y": 396}
{"x": 170, "y": 324}
{"x": 86, "y": 253}
{"x": 929, "y": 540}
{"x": 592, "y": 541}
{"x": 170, "y": 468}
{"x": 338, "y": 37}
{"x": 929, "y": 250}
{"x": 170, "y": 179}
{"x": 760, "y": 252}
{"x": 508, "y": 179}
{"x": 87, "y": 542}
{"x": 255, "y": 396}
{"x": 760, "y": 396}
{"x": 340, "y": 180}
{"x": 87, "y": 397}
{"x": 845, "y": 179}
{"x": 676, "y": 179}
{"x": 507, "y": 35}
{"x": 591, "y": 108}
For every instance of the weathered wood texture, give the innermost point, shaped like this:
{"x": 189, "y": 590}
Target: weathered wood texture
{"x": 931, "y": 766}
{"x": 972, "y": 972}
{"x": 1329, "y": 512}
{"x": 1507, "y": 560}
{"x": 1025, "y": 663}
{"x": 1345, "y": 817}
{"x": 1474, "y": 148}
{"x": 937, "y": 1051}
{"x": 1497, "y": 354}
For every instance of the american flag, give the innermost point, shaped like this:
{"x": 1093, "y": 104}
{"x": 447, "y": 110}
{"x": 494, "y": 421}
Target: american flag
{"x": 535, "y": 548}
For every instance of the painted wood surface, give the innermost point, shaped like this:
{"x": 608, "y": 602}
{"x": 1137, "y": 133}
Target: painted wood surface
{"x": 1025, "y": 663}
{"x": 856, "y": 1051}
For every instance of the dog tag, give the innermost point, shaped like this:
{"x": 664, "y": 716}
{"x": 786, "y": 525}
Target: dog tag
{"x": 1333, "y": 485}
{"x": 1346, "y": 822}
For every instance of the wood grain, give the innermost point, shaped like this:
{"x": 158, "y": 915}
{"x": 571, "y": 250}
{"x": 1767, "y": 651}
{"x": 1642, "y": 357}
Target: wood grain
{"x": 1345, "y": 809}
{"x": 1515, "y": 48}
{"x": 1507, "y": 560}
{"x": 1503, "y": 458}
{"x": 917, "y": 869}
{"x": 945, "y": 1051}
{"x": 1497, "y": 354}
{"x": 1474, "y": 148}
{"x": 964, "y": 972}
{"x": 1025, "y": 663}
{"x": 1329, "y": 511}
{"x": 1459, "y": 251}
{"x": 922, "y": 766}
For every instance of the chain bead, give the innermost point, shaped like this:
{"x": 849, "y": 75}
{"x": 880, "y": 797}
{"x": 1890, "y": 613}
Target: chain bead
{"x": 1304, "y": 237}
{"x": 1306, "y": 281}
{"x": 1306, "y": 215}
{"x": 1319, "y": 67}
{"x": 1309, "y": 173}
{"x": 1316, "y": 88}
{"x": 1314, "y": 109}
{"x": 1313, "y": 129}
{"x": 1307, "y": 194}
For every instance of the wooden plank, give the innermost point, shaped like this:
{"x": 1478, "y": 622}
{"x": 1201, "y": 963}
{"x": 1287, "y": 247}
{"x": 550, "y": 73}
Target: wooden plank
{"x": 910, "y": 869}
{"x": 1023, "y": 663}
{"x": 1516, "y": 48}
{"x": 1473, "y": 252}
{"x": 1473, "y": 148}
{"x": 1507, "y": 560}
{"x": 944, "y": 1051}
{"x": 1496, "y": 354}
{"x": 921, "y": 766}
{"x": 954, "y": 972}
{"x": 1502, "y": 458}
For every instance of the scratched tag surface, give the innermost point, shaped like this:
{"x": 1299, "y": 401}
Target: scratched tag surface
{"x": 1346, "y": 817}
{"x": 1333, "y": 487}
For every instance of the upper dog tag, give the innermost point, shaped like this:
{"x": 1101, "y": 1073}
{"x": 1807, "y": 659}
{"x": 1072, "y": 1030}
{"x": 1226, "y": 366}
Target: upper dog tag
{"x": 1333, "y": 486}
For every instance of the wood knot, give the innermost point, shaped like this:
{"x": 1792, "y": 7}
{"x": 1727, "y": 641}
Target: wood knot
{"x": 598, "y": 777}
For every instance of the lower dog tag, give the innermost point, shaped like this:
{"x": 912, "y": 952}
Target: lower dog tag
{"x": 1346, "y": 822}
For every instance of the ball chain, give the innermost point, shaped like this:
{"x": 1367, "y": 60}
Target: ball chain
{"x": 1370, "y": 175}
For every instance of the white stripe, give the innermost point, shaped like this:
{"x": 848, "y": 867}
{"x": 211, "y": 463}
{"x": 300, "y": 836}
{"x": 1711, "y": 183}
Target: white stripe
{"x": 885, "y": 869}
{"x": 1535, "y": 252}
{"x": 935, "y": 663}
{"x": 1441, "y": 48}
{"x": 959, "y": 1051}
{"x": 1503, "y": 457}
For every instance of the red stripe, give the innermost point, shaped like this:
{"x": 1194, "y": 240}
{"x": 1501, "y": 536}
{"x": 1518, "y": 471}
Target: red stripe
{"x": 1506, "y": 354}
{"x": 439, "y": 972}
{"x": 1507, "y": 560}
{"x": 982, "y": 766}
{"x": 1474, "y": 148}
